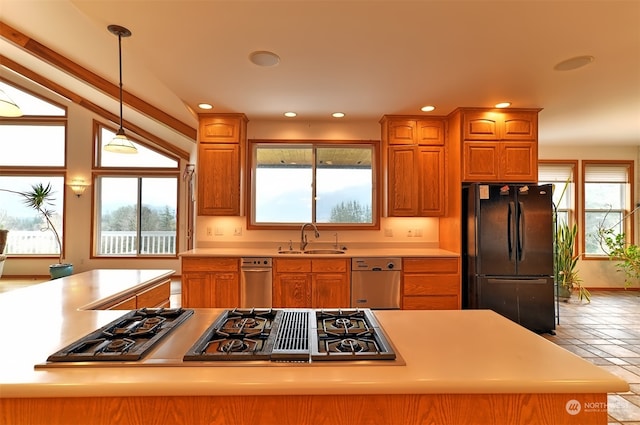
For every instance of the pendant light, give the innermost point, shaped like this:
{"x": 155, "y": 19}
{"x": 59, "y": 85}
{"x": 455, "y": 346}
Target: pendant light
{"x": 8, "y": 108}
{"x": 120, "y": 143}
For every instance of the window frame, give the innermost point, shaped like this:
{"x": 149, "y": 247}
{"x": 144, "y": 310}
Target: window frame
{"x": 573, "y": 201}
{"x": 315, "y": 143}
{"x": 628, "y": 225}
{"x": 128, "y": 172}
{"x": 42, "y": 170}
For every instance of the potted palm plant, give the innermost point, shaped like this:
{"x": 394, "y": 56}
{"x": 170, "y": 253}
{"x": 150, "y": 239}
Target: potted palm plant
{"x": 40, "y": 198}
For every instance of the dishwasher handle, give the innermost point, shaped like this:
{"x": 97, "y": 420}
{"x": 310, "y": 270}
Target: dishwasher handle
{"x": 256, "y": 270}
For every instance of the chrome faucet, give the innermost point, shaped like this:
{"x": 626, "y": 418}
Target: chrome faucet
{"x": 303, "y": 237}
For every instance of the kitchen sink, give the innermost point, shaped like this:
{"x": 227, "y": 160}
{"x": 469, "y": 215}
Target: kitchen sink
{"x": 312, "y": 251}
{"x": 324, "y": 251}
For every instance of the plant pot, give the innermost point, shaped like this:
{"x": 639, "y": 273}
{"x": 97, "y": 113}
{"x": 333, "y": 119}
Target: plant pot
{"x": 3, "y": 240}
{"x": 60, "y": 270}
{"x": 564, "y": 293}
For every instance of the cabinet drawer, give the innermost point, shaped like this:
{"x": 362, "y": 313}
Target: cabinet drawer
{"x": 439, "y": 302}
{"x": 126, "y": 304}
{"x": 431, "y": 285}
{"x": 197, "y": 264}
{"x": 431, "y": 265}
{"x": 296, "y": 266}
{"x": 329, "y": 265}
{"x": 155, "y": 296}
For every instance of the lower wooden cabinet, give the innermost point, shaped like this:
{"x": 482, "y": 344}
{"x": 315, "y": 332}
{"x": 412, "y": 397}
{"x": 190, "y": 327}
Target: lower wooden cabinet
{"x": 311, "y": 283}
{"x": 156, "y": 296}
{"x": 210, "y": 282}
{"x": 431, "y": 283}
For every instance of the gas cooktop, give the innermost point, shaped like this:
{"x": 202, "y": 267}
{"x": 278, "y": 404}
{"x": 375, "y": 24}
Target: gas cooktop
{"x": 127, "y": 338}
{"x": 293, "y": 335}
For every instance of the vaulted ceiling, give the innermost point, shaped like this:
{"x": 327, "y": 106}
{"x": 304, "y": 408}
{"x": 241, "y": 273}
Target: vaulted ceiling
{"x": 362, "y": 58}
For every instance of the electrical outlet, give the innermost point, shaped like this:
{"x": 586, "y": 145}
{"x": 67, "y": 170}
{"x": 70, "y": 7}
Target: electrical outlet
{"x": 209, "y": 231}
{"x": 418, "y": 233}
{"x": 388, "y": 233}
{"x": 219, "y": 231}
{"x": 409, "y": 233}
{"x": 237, "y": 231}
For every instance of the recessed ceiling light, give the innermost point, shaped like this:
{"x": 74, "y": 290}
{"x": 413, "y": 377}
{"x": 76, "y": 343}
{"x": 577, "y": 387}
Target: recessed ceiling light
{"x": 503, "y": 105}
{"x": 264, "y": 58}
{"x": 205, "y": 106}
{"x": 574, "y": 63}
{"x": 337, "y": 114}
{"x": 428, "y": 108}
{"x": 290, "y": 114}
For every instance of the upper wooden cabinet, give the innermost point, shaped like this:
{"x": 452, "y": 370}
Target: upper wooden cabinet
{"x": 222, "y": 141}
{"x": 499, "y": 125}
{"x": 413, "y": 131}
{"x": 222, "y": 128}
{"x": 499, "y": 146}
{"x": 415, "y": 162}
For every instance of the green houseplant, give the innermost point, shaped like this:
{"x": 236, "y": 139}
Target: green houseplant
{"x": 618, "y": 249}
{"x": 565, "y": 263}
{"x": 40, "y": 198}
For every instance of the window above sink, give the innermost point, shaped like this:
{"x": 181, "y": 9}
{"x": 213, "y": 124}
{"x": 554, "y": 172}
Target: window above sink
{"x": 330, "y": 183}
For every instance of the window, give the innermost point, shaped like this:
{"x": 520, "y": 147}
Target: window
{"x": 37, "y": 155}
{"x": 607, "y": 197}
{"x": 136, "y": 209}
{"x": 562, "y": 176}
{"x": 324, "y": 183}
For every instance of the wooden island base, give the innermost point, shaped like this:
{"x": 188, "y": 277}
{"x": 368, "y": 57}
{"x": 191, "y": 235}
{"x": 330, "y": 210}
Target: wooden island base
{"x": 410, "y": 409}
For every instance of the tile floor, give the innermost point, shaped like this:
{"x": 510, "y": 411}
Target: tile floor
{"x": 606, "y": 332}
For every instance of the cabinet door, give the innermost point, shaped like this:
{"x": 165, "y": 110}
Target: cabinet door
{"x": 430, "y": 132}
{"x": 292, "y": 290}
{"x": 518, "y": 162}
{"x": 220, "y": 129}
{"x": 481, "y": 125}
{"x": 401, "y": 132}
{"x": 219, "y": 179}
{"x": 519, "y": 126}
{"x": 226, "y": 290}
{"x": 403, "y": 181}
{"x": 156, "y": 296}
{"x": 330, "y": 290}
{"x": 196, "y": 290}
{"x": 432, "y": 183}
{"x": 481, "y": 161}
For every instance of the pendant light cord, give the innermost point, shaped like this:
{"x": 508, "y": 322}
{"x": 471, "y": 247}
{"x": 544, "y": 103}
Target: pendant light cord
{"x": 120, "y": 66}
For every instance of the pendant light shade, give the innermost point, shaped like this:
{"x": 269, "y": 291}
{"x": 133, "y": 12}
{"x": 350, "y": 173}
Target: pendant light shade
{"x": 120, "y": 143}
{"x": 8, "y": 108}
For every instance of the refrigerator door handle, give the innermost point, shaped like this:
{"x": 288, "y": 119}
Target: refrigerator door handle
{"x": 510, "y": 229}
{"x": 521, "y": 240}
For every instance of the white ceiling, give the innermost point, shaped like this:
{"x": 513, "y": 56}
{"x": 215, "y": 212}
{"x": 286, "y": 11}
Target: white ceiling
{"x": 363, "y": 58}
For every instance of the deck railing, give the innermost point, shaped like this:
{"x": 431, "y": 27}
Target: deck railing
{"x": 24, "y": 242}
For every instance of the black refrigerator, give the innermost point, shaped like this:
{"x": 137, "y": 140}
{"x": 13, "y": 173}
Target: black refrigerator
{"x": 508, "y": 252}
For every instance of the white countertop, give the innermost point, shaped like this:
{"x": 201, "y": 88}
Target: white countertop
{"x": 259, "y": 251}
{"x": 461, "y": 352}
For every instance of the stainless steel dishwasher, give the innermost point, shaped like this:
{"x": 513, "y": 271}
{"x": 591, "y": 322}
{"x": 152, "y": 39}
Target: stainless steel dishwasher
{"x": 375, "y": 282}
{"x": 255, "y": 282}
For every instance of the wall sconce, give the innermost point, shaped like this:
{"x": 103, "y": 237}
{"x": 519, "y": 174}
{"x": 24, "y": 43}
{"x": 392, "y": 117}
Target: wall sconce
{"x": 78, "y": 186}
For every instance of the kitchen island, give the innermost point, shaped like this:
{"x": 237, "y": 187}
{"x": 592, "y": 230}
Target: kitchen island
{"x": 470, "y": 366}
